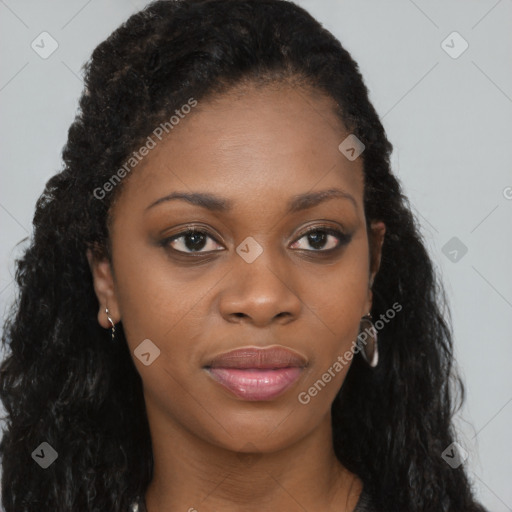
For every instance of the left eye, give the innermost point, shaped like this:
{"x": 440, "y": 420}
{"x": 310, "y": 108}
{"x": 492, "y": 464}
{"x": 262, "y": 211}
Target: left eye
{"x": 318, "y": 238}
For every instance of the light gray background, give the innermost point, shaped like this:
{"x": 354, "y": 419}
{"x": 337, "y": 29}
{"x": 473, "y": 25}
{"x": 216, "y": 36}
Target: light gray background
{"x": 449, "y": 120}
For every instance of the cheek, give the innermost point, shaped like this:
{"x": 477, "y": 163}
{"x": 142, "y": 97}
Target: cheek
{"x": 336, "y": 298}
{"x": 159, "y": 305}
{"x": 336, "y": 306}
{"x": 164, "y": 304}
{"x": 153, "y": 295}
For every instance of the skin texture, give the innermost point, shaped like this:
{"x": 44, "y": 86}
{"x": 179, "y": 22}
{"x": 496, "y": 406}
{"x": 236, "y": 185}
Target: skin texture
{"x": 258, "y": 147}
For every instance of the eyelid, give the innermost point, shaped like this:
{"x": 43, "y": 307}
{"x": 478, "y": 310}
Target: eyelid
{"x": 343, "y": 237}
{"x": 186, "y": 231}
{"x": 320, "y": 227}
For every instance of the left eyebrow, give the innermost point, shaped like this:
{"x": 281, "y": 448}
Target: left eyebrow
{"x": 311, "y": 199}
{"x": 220, "y": 204}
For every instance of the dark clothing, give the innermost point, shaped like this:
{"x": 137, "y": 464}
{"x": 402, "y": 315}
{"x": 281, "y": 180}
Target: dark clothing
{"x": 364, "y": 504}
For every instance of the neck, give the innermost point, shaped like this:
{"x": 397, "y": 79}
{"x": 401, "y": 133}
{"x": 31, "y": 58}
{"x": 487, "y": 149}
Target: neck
{"x": 192, "y": 474}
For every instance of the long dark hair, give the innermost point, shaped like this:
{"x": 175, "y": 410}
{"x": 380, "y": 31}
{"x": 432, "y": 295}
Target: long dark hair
{"x": 63, "y": 383}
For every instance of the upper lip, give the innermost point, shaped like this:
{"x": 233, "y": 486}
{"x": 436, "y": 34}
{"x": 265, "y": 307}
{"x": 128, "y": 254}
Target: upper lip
{"x": 254, "y": 357}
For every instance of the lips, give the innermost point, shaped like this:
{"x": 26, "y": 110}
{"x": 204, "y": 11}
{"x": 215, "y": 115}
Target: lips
{"x": 257, "y": 374}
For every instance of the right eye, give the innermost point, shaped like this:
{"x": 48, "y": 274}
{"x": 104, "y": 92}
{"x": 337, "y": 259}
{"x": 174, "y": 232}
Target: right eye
{"x": 190, "y": 241}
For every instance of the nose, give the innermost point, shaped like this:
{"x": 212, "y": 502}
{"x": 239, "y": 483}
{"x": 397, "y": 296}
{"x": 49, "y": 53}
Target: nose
{"x": 260, "y": 293}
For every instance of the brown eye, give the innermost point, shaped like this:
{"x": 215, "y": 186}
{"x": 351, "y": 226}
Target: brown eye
{"x": 191, "y": 241}
{"x": 322, "y": 239}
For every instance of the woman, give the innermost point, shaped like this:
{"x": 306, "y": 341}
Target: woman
{"x": 226, "y": 303}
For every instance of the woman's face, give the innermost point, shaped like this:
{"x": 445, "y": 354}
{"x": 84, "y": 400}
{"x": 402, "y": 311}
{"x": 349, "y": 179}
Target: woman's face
{"x": 252, "y": 278}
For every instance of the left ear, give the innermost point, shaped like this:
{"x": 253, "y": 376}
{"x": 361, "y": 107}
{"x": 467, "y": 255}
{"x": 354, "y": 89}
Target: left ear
{"x": 376, "y": 240}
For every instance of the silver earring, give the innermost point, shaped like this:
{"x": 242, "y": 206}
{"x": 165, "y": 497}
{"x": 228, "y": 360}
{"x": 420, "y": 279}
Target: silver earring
{"x": 367, "y": 341}
{"x": 111, "y": 323}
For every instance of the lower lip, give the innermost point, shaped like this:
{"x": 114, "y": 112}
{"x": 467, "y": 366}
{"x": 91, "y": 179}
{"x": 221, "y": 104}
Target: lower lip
{"x": 255, "y": 384}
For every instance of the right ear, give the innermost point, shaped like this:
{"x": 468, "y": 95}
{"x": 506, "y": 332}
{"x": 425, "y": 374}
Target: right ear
{"x": 104, "y": 288}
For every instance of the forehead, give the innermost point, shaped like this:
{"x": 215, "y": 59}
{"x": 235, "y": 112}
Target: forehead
{"x": 252, "y": 142}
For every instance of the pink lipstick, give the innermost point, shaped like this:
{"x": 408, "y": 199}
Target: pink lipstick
{"x": 257, "y": 374}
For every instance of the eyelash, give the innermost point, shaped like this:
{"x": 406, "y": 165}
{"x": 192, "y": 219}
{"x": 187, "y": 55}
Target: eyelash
{"x": 343, "y": 239}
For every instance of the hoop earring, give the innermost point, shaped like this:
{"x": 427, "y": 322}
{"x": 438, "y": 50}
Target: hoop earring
{"x": 111, "y": 323}
{"x": 369, "y": 348}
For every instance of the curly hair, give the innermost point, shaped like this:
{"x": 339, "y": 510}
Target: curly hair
{"x": 63, "y": 383}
